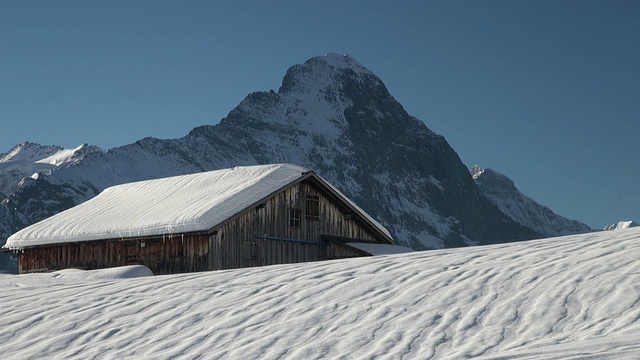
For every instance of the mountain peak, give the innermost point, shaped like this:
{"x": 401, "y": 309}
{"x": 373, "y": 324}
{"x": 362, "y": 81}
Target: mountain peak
{"x": 340, "y": 62}
{"x": 621, "y": 225}
{"x": 326, "y": 96}
{"x": 325, "y": 73}
{"x": 66, "y": 156}
{"x": 29, "y": 151}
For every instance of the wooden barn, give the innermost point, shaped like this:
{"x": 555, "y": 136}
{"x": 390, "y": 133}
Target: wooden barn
{"x": 224, "y": 219}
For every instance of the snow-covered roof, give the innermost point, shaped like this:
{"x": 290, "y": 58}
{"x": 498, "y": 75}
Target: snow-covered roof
{"x": 173, "y": 205}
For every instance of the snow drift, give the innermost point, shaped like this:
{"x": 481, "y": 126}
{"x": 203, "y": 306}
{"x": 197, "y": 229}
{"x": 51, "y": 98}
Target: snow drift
{"x": 559, "y": 298}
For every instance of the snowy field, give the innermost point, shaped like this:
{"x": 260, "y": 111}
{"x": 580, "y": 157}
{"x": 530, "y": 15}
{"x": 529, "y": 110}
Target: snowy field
{"x": 575, "y": 297}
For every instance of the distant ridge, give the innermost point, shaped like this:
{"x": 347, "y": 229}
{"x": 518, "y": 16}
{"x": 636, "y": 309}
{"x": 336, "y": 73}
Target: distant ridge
{"x": 502, "y": 192}
{"x": 621, "y": 225}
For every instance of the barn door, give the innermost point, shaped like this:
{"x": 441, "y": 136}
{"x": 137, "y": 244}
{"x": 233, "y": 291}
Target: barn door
{"x": 131, "y": 252}
{"x": 249, "y": 253}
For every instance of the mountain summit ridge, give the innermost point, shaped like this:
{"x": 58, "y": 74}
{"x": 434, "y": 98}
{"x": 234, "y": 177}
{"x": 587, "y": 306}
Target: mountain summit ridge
{"x": 331, "y": 114}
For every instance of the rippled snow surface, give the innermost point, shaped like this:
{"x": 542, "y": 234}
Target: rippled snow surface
{"x": 564, "y": 298}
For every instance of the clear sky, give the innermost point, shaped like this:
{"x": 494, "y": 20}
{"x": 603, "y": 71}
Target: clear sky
{"x": 546, "y": 92}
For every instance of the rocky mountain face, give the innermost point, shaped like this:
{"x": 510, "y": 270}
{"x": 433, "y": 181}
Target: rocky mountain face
{"x": 502, "y": 193}
{"x": 331, "y": 114}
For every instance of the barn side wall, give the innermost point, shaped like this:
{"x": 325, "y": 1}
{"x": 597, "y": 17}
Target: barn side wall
{"x": 259, "y": 237}
{"x": 163, "y": 254}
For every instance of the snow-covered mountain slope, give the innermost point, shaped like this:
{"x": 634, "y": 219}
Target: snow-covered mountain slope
{"x": 30, "y": 152}
{"x": 331, "y": 115}
{"x": 20, "y": 167}
{"x": 29, "y": 159}
{"x": 621, "y": 225}
{"x": 502, "y": 192}
{"x": 561, "y": 298}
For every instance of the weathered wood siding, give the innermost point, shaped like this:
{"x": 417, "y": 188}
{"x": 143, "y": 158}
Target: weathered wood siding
{"x": 235, "y": 244}
{"x": 163, "y": 255}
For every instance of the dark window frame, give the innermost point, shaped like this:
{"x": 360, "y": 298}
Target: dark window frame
{"x": 312, "y": 207}
{"x": 250, "y": 250}
{"x": 295, "y": 218}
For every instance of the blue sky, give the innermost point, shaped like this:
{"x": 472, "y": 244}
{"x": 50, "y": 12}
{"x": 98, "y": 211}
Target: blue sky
{"x": 546, "y": 92}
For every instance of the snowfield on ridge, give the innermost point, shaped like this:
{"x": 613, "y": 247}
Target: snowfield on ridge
{"x": 560, "y": 298}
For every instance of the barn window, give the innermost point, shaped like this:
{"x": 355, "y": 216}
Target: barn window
{"x": 249, "y": 250}
{"x": 294, "y": 217}
{"x": 312, "y": 207}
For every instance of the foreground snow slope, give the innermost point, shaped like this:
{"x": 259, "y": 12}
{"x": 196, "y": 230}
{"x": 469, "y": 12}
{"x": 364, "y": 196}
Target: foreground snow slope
{"x": 571, "y": 297}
